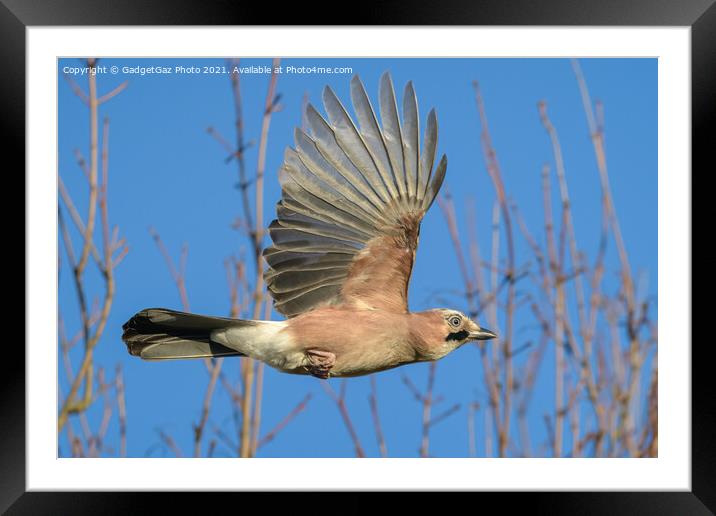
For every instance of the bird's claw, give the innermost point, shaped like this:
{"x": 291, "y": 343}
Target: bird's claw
{"x": 320, "y": 363}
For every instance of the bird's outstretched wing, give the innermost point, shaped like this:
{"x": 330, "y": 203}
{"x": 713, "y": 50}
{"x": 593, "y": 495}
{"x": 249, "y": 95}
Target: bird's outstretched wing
{"x": 351, "y": 206}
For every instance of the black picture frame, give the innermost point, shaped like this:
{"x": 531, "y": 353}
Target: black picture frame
{"x": 700, "y": 15}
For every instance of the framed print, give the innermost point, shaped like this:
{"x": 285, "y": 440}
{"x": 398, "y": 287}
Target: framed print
{"x": 229, "y": 219}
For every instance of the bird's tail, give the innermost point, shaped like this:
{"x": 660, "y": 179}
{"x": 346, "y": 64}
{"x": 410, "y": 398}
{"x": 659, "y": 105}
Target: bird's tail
{"x": 161, "y": 334}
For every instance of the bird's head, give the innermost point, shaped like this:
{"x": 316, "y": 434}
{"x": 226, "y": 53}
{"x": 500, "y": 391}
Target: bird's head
{"x": 443, "y": 330}
{"x": 460, "y": 328}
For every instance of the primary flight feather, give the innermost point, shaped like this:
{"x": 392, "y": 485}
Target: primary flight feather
{"x": 344, "y": 242}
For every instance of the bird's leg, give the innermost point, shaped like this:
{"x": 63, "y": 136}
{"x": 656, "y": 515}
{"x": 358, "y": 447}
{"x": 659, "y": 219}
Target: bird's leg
{"x": 320, "y": 362}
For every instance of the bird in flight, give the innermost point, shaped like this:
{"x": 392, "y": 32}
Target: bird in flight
{"x": 344, "y": 242}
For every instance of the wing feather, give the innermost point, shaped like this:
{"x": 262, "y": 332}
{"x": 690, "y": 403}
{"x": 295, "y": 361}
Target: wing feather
{"x": 427, "y": 159}
{"x": 289, "y": 281}
{"x": 328, "y": 145}
{"x": 353, "y": 146}
{"x": 411, "y": 147}
{"x": 435, "y": 183}
{"x": 306, "y": 300}
{"x": 306, "y": 242}
{"x": 299, "y": 200}
{"x": 280, "y": 260}
{"x": 370, "y": 130}
{"x": 327, "y": 191}
{"x": 292, "y": 219}
{"x": 287, "y": 231}
{"x": 313, "y": 161}
{"x": 351, "y": 204}
{"x": 392, "y": 134}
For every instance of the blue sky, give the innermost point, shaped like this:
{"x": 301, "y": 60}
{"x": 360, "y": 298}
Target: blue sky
{"x": 167, "y": 172}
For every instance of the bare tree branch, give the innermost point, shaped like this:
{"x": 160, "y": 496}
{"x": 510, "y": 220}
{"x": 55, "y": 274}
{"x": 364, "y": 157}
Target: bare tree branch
{"x": 373, "y": 401}
{"x": 340, "y": 402}
{"x": 270, "y": 436}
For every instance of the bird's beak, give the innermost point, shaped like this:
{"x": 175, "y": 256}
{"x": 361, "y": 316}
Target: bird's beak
{"x": 482, "y": 334}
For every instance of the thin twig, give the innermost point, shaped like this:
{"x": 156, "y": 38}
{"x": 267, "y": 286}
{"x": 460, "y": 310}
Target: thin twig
{"x": 472, "y": 410}
{"x": 256, "y": 420}
{"x": 177, "y": 274}
{"x": 427, "y": 400}
{"x": 340, "y": 402}
{"x": 556, "y": 284}
{"x": 89, "y": 229}
{"x": 447, "y": 206}
{"x": 270, "y": 436}
{"x": 169, "y": 441}
{"x": 97, "y": 195}
{"x": 240, "y": 147}
{"x": 76, "y": 89}
{"x": 206, "y": 406}
{"x": 104, "y": 98}
{"x": 495, "y": 174}
{"x": 122, "y": 407}
{"x": 246, "y": 439}
{"x": 373, "y": 401}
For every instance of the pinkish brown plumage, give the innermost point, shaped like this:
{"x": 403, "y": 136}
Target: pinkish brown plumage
{"x": 380, "y": 273}
{"x": 368, "y": 341}
{"x": 343, "y": 249}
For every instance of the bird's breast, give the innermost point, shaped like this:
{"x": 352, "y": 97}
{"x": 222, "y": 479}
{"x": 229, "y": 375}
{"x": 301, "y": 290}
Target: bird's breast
{"x": 363, "y": 341}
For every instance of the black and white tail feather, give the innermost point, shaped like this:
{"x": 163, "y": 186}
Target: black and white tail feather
{"x": 161, "y": 334}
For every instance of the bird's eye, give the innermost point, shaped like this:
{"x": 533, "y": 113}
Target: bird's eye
{"x": 454, "y": 321}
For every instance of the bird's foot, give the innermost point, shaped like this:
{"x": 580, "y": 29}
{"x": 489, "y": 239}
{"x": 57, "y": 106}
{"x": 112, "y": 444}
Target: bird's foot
{"x": 320, "y": 363}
